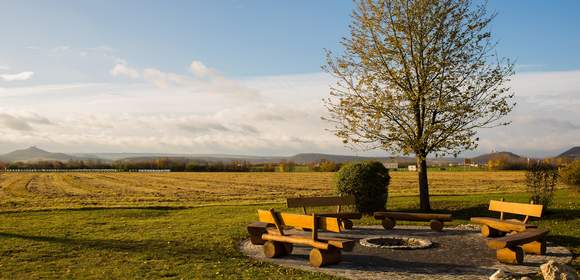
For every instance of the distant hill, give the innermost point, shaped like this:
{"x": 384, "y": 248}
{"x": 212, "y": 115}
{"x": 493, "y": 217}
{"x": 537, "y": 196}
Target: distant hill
{"x": 572, "y": 153}
{"x": 314, "y": 157}
{"x": 509, "y": 156}
{"x": 35, "y": 154}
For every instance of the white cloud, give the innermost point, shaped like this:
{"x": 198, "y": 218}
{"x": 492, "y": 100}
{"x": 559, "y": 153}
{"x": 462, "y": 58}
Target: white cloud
{"x": 121, "y": 69}
{"x": 204, "y": 80}
{"x": 62, "y": 48}
{"x": 200, "y": 70}
{"x": 162, "y": 79}
{"x": 22, "y": 76}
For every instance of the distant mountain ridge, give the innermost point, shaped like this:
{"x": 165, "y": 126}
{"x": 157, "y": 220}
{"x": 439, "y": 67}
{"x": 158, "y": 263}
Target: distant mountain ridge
{"x": 35, "y": 154}
{"x": 509, "y": 156}
{"x": 574, "y": 152}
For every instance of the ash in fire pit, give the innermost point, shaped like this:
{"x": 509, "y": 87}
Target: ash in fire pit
{"x": 396, "y": 242}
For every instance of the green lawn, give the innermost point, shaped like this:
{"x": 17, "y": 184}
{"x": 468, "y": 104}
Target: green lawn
{"x": 192, "y": 243}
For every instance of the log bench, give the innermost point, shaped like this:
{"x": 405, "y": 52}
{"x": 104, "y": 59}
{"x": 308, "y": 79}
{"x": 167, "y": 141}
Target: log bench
{"x": 389, "y": 219}
{"x": 338, "y": 201}
{"x": 271, "y": 232}
{"x": 511, "y": 248}
{"x": 494, "y": 227}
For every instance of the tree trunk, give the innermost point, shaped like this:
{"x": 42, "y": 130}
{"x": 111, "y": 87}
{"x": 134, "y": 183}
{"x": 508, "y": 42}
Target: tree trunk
{"x": 423, "y": 183}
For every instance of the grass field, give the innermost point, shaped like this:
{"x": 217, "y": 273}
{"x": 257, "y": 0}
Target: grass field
{"x": 187, "y": 225}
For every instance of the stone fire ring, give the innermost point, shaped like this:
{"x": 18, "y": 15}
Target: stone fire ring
{"x": 455, "y": 253}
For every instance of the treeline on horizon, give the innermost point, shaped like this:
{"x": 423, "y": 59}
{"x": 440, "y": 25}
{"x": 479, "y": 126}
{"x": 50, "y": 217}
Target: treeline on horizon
{"x": 188, "y": 165}
{"x": 177, "y": 165}
{"x": 505, "y": 163}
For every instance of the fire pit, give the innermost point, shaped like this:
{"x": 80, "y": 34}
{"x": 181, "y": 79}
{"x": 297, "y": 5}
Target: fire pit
{"x": 395, "y": 242}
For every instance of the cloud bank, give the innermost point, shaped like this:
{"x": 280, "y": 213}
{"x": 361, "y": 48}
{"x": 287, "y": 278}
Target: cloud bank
{"x": 22, "y": 76}
{"x": 203, "y": 111}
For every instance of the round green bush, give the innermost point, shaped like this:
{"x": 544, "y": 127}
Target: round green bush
{"x": 367, "y": 181}
{"x": 571, "y": 174}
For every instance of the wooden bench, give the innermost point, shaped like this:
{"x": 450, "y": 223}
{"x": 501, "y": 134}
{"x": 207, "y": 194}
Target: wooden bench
{"x": 494, "y": 227}
{"x": 344, "y": 217}
{"x": 271, "y": 231}
{"x": 389, "y": 219}
{"x": 511, "y": 248}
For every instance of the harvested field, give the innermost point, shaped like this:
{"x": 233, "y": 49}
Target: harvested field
{"x": 63, "y": 190}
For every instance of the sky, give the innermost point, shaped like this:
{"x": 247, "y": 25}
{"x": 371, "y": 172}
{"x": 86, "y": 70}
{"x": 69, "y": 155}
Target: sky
{"x": 240, "y": 77}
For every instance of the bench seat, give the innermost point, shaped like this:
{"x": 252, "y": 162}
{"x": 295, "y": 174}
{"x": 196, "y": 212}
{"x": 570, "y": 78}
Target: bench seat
{"x": 517, "y": 239}
{"x": 492, "y": 227}
{"x": 512, "y": 248}
{"x": 412, "y": 216}
{"x": 323, "y": 201}
{"x": 502, "y": 225}
{"x": 277, "y": 232}
{"x": 389, "y": 218}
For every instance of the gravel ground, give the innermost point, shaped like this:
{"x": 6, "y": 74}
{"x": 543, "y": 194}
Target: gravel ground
{"x": 457, "y": 253}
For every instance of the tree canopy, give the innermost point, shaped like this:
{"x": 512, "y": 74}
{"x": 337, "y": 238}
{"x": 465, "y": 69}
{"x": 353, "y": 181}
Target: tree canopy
{"x": 420, "y": 77}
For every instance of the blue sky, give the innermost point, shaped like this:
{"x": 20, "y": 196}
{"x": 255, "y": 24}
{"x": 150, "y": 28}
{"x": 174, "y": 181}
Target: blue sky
{"x": 181, "y": 77}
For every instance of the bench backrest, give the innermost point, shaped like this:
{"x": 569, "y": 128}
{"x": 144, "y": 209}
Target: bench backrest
{"x": 319, "y": 201}
{"x": 534, "y": 210}
{"x": 295, "y": 202}
{"x": 301, "y": 221}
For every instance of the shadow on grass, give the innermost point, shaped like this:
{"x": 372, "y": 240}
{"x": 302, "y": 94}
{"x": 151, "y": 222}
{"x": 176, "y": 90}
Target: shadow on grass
{"x": 565, "y": 240}
{"x": 561, "y": 214}
{"x": 458, "y": 214}
{"x": 151, "y": 246}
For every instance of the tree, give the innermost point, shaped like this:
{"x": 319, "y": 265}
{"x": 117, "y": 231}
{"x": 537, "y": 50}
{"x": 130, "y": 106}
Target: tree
{"x": 418, "y": 77}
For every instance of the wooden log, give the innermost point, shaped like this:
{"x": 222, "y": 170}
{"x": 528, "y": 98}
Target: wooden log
{"x": 412, "y": 216}
{"x": 273, "y": 249}
{"x": 436, "y": 225}
{"x": 320, "y": 258}
{"x": 347, "y": 224}
{"x": 486, "y": 231}
{"x": 535, "y": 247}
{"x": 297, "y": 220}
{"x": 517, "y": 239}
{"x": 388, "y": 223}
{"x": 513, "y": 255}
{"x": 344, "y": 244}
{"x": 502, "y": 225}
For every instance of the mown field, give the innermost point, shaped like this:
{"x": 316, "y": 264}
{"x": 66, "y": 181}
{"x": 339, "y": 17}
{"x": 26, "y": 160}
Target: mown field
{"x": 187, "y": 225}
{"x": 66, "y": 190}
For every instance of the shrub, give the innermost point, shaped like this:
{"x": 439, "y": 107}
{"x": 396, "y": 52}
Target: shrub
{"x": 367, "y": 181}
{"x": 571, "y": 174}
{"x": 541, "y": 179}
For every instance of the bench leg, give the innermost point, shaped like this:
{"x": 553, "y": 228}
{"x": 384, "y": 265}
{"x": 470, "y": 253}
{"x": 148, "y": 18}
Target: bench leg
{"x": 288, "y": 248}
{"x": 487, "y": 231}
{"x": 347, "y": 224}
{"x": 319, "y": 258}
{"x": 535, "y": 247}
{"x": 388, "y": 223}
{"x": 436, "y": 225}
{"x": 510, "y": 255}
{"x": 274, "y": 249}
{"x": 256, "y": 230}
